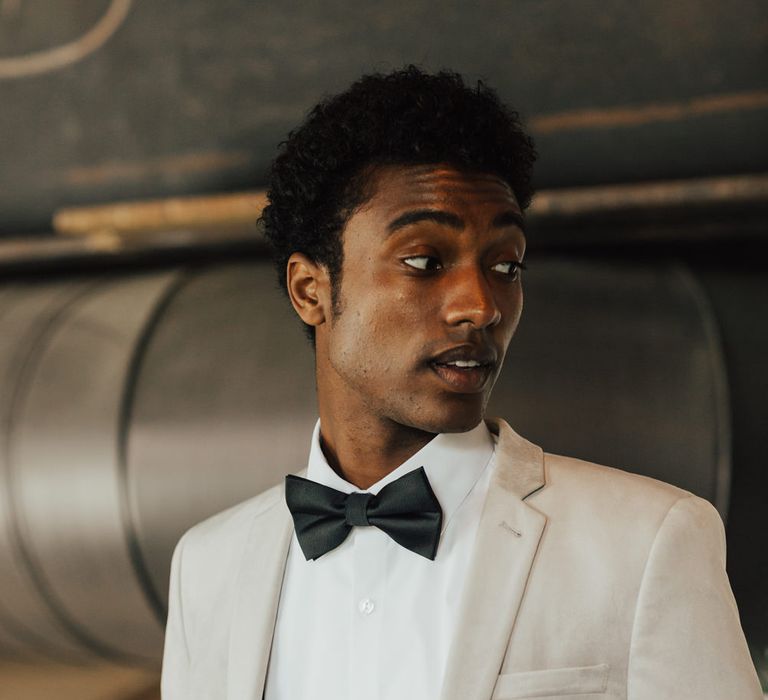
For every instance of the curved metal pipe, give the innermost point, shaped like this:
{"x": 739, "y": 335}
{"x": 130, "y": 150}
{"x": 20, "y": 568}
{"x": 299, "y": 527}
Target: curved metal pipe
{"x": 132, "y": 407}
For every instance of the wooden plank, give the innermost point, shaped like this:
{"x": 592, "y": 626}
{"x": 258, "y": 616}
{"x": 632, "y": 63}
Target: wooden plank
{"x": 225, "y": 211}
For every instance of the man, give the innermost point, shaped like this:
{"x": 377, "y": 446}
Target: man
{"x": 426, "y": 553}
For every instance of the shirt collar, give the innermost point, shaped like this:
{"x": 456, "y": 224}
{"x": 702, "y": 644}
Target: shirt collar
{"x": 453, "y": 463}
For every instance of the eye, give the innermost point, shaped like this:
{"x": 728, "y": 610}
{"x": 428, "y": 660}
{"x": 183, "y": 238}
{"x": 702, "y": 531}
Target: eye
{"x": 510, "y": 268}
{"x": 422, "y": 262}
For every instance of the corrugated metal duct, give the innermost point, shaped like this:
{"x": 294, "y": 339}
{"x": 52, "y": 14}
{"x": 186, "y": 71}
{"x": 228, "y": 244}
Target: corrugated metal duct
{"x": 134, "y": 406}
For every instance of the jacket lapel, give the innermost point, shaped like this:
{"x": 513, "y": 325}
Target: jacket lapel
{"x": 507, "y": 540}
{"x": 257, "y": 594}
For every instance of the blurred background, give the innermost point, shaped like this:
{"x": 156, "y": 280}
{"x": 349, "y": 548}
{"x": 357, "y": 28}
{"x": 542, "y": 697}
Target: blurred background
{"x": 151, "y": 373}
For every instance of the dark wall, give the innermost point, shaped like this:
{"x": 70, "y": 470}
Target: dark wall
{"x": 187, "y": 96}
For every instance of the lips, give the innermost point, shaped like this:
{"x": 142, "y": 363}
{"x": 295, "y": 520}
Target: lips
{"x": 465, "y": 368}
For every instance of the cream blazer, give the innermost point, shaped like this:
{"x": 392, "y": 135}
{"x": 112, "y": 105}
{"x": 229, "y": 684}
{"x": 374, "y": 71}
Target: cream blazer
{"x": 587, "y": 583}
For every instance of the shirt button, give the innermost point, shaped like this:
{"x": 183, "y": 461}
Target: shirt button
{"x": 366, "y": 606}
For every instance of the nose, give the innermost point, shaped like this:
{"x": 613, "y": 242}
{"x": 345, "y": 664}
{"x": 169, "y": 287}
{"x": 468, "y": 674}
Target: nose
{"x": 470, "y": 299}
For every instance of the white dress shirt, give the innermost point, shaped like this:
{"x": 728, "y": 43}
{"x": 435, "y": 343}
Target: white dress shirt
{"x": 371, "y": 620}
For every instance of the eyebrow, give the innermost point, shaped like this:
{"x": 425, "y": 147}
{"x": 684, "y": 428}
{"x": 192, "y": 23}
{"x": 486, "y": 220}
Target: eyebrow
{"x": 509, "y": 218}
{"x": 503, "y": 220}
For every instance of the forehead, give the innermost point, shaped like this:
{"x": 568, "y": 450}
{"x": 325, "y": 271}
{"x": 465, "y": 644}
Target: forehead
{"x": 397, "y": 188}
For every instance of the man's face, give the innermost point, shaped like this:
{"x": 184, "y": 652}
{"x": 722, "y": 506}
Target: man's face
{"x": 430, "y": 298}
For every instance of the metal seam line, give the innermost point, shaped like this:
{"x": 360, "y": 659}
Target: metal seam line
{"x": 125, "y": 414}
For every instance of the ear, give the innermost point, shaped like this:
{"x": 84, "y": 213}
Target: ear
{"x": 309, "y": 288}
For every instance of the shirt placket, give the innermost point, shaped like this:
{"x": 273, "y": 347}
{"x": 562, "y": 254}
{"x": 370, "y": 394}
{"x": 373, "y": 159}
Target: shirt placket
{"x": 367, "y": 608}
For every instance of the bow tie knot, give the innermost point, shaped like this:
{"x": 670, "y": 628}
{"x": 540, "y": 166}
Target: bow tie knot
{"x": 406, "y": 509}
{"x": 356, "y": 509}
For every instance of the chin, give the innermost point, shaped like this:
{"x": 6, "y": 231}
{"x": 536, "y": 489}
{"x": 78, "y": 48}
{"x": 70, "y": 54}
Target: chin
{"x": 451, "y": 419}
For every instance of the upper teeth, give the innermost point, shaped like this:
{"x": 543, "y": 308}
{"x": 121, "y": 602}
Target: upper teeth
{"x": 464, "y": 363}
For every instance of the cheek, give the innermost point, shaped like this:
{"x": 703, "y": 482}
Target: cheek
{"x": 516, "y": 303}
{"x": 512, "y": 313}
{"x": 386, "y": 332}
{"x": 360, "y": 339}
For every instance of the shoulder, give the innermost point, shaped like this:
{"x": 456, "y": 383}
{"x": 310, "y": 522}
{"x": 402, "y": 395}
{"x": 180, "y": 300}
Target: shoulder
{"x": 587, "y": 498}
{"x": 225, "y": 531}
{"x": 569, "y": 474}
{"x": 584, "y": 494}
{"x": 209, "y": 555}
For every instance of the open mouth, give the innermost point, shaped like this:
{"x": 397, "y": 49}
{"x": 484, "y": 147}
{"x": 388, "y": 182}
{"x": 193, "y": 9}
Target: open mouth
{"x": 465, "y": 376}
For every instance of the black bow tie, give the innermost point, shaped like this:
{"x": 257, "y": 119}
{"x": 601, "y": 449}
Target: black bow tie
{"x": 406, "y": 509}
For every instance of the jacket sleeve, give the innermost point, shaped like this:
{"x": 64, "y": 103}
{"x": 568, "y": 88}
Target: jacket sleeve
{"x": 687, "y": 641}
{"x": 174, "y": 682}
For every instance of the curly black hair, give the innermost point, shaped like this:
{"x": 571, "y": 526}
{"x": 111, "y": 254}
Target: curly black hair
{"x": 406, "y": 117}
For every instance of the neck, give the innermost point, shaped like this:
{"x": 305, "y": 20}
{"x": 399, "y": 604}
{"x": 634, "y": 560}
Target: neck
{"x": 360, "y": 444}
{"x": 362, "y": 452}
